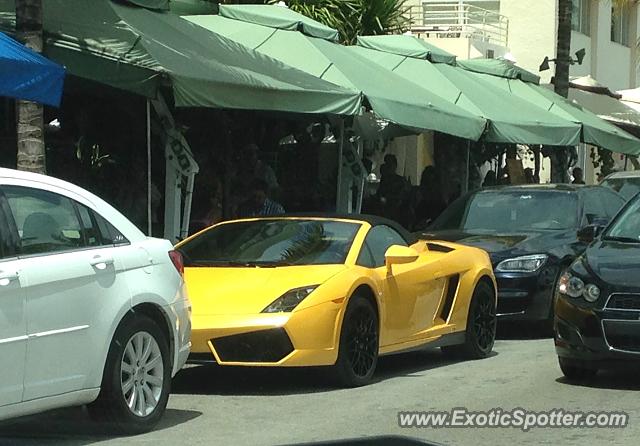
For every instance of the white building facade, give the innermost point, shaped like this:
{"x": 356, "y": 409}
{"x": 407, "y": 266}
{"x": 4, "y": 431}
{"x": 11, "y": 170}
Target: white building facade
{"x": 525, "y": 31}
{"x": 528, "y": 29}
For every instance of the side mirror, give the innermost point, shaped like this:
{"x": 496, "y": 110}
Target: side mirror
{"x": 397, "y": 255}
{"x": 589, "y": 233}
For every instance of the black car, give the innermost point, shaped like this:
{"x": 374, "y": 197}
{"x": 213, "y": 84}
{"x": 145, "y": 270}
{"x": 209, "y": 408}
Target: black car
{"x": 597, "y": 322}
{"x": 531, "y": 233}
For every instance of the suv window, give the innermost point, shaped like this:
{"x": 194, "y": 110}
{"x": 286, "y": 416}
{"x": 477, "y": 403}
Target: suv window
{"x": 376, "y": 243}
{"x": 594, "y": 207}
{"x": 46, "y": 222}
{"x": 612, "y": 202}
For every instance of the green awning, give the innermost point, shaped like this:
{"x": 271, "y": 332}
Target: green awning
{"x": 390, "y": 96}
{"x": 499, "y": 68}
{"x": 159, "y": 5}
{"x": 511, "y": 119}
{"x": 409, "y": 46}
{"x": 141, "y": 51}
{"x": 595, "y": 130}
{"x": 279, "y": 17}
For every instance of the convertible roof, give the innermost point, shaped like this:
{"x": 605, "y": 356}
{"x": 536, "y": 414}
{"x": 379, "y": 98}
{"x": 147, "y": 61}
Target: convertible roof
{"x": 373, "y": 220}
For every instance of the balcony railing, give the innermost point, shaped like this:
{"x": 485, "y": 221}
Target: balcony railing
{"x": 454, "y": 20}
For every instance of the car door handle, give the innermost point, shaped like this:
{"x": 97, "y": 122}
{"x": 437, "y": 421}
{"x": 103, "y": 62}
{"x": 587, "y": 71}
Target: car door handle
{"x": 7, "y": 277}
{"x": 100, "y": 262}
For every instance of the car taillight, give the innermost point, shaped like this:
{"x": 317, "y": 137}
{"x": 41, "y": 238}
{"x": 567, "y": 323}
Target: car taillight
{"x": 177, "y": 260}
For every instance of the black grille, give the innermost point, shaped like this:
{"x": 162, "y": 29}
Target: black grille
{"x": 623, "y": 335}
{"x": 452, "y": 288}
{"x": 259, "y": 346}
{"x": 624, "y": 302}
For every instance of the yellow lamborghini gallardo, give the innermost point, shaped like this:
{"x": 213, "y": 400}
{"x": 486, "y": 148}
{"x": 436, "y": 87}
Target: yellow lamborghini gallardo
{"x": 327, "y": 291}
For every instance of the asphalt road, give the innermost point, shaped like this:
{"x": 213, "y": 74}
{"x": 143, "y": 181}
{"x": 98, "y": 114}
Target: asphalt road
{"x": 255, "y": 407}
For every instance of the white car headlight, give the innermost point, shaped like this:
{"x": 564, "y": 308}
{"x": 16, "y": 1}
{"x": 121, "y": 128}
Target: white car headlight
{"x": 290, "y": 300}
{"x": 524, "y": 264}
{"x": 575, "y": 287}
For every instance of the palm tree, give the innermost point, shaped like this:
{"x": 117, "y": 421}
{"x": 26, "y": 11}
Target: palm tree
{"x": 559, "y": 164}
{"x": 353, "y": 18}
{"x": 29, "y": 115}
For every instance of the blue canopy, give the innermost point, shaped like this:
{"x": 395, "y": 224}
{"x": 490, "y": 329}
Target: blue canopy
{"x": 25, "y": 74}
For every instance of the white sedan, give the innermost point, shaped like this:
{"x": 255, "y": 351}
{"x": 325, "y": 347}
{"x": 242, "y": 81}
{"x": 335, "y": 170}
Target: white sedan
{"x": 91, "y": 310}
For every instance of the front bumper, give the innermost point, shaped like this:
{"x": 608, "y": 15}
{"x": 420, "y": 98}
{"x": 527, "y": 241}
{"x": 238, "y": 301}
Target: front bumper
{"x": 599, "y": 337}
{"x": 526, "y": 296}
{"x": 303, "y": 338}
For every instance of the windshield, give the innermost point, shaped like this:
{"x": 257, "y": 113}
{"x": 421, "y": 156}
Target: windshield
{"x": 626, "y": 226}
{"x": 627, "y": 187}
{"x": 521, "y": 211}
{"x": 272, "y": 242}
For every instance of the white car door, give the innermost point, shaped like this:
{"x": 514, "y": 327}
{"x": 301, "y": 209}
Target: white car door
{"x": 74, "y": 290}
{"x": 13, "y": 322}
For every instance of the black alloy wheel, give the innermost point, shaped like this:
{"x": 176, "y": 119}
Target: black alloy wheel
{"x": 359, "y": 344}
{"x": 482, "y": 322}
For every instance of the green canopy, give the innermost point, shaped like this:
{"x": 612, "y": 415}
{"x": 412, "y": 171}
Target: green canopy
{"x": 279, "y": 17}
{"x": 390, "y": 96}
{"x": 141, "y": 51}
{"x": 409, "y": 46}
{"x": 595, "y": 130}
{"x": 160, "y": 5}
{"x": 500, "y": 68}
{"x": 511, "y": 119}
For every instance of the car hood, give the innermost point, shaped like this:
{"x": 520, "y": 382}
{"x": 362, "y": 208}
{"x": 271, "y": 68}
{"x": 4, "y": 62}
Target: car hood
{"x": 504, "y": 245}
{"x": 217, "y": 291}
{"x": 615, "y": 263}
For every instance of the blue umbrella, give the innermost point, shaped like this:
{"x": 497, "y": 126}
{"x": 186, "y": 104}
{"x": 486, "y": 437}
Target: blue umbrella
{"x": 25, "y": 74}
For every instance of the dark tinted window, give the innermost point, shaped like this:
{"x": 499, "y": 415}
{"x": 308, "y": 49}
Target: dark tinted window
{"x": 97, "y": 230}
{"x": 612, "y": 202}
{"x": 8, "y": 232}
{"x": 627, "y": 187}
{"x": 515, "y": 210}
{"x": 46, "y": 222}
{"x": 627, "y": 225}
{"x": 286, "y": 241}
{"x": 376, "y": 243}
{"x": 452, "y": 217}
{"x": 594, "y": 207}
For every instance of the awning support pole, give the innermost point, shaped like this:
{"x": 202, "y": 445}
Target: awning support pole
{"x": 340, "y": 161}
{"x": 149, "y": 197}
{"x": 465, "y": 186}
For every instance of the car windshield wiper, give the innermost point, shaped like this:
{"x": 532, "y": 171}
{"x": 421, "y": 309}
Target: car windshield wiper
{"x": 612, "y": 238}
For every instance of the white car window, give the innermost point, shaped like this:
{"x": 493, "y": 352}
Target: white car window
{"x": 46, "y": 222}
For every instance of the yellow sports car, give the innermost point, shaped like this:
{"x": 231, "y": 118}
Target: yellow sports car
{"x": 329, "y": 291}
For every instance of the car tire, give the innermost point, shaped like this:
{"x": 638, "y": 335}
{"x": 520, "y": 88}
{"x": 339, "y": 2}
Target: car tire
{"x": 137, "y": 378}
{"x": 480, "y": 334}
{"x": 359, "y": 344}
{"x": 575, "y": 370}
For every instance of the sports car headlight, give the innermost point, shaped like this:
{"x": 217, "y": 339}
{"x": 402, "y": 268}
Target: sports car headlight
{"x": 575, "y": 287}
{"x": 290, "y": 300}
{"x": 524, "y": 264}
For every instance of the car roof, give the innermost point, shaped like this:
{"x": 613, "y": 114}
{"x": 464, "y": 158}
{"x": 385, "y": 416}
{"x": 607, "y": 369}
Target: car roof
{"x": 372, "y": 220}
{"x": 625, "y": 174}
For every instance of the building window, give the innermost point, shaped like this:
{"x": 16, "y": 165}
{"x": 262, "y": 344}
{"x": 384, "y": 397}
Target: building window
{"x": 581, "y": 16}
{"x": 620, "y": 15}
